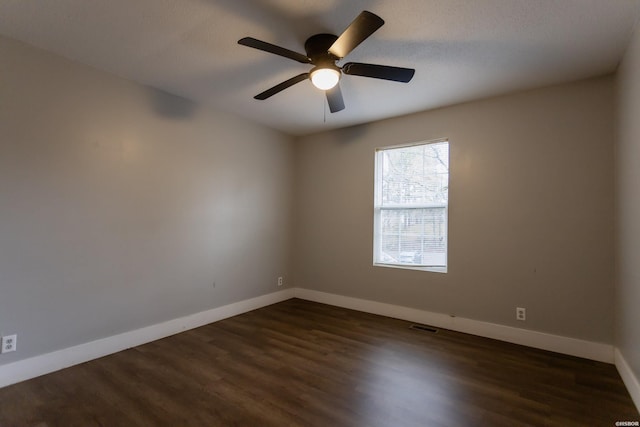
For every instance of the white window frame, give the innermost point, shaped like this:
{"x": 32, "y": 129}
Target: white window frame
{"x": 378, "y": 208}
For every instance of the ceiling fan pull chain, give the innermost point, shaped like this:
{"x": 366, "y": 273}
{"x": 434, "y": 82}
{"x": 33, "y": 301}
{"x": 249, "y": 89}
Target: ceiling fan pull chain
{"x": 324, "y": 110}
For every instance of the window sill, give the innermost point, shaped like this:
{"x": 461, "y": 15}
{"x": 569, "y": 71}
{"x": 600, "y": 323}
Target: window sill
{"x": 412, "y": 267}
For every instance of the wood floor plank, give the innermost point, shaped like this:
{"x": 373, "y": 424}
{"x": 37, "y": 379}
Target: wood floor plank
{"x": 299, "y": 363}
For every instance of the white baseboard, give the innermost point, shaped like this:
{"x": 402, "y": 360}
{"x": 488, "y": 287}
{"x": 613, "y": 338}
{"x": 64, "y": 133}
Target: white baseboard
{"x": 571, "y": 346}
{"x": 628, "y": 377}
{"x": 46, "y": 363}
{"x": 22, "y": 370}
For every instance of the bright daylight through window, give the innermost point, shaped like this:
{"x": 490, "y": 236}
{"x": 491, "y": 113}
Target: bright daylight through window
{"x": 411, "y": 204}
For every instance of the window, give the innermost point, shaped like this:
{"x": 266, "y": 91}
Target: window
{"x": 411, "y": 206}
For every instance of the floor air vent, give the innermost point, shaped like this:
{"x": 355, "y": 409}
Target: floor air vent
{"x": 424, "y": 328}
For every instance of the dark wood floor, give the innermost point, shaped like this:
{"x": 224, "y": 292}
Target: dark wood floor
{"x": 299, "y": 363}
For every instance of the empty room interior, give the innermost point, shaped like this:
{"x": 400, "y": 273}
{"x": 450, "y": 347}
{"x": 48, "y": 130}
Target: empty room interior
{"x": 196, "y": 228}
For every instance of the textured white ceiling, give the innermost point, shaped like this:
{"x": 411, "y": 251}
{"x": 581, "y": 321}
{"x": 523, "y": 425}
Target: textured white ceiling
{"x": 461, "y": 49}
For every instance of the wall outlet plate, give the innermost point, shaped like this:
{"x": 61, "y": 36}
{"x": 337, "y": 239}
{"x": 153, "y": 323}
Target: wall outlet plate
{"x": 279, "y": 281}
{"x": 9, "y": 343}
{"x": 521, "y": 313}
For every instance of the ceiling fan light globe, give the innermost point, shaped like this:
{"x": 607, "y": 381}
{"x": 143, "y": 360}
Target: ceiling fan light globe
{"x": 325, "y": 78}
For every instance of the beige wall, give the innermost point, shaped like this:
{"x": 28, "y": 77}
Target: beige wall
{"x": 121, "y": 205}
{"x": 531, "y": 211}
{"x": 627, "y": 307}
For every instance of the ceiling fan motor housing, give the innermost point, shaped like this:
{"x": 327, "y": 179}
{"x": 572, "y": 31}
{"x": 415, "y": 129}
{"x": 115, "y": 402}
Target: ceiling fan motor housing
{"x": 317, "y": 48}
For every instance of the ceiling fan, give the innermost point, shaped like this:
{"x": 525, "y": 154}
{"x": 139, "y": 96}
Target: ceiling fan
{"x": 323, "y": 50}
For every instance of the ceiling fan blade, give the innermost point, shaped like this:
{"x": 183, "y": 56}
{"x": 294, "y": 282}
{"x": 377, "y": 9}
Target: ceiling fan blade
{"x": 335, "y": 100}
{"x": 362, "y": 27}
{"x": 282, "y": 86}
{"x": 272, "y": 48}
{"x": 385, "y": 72}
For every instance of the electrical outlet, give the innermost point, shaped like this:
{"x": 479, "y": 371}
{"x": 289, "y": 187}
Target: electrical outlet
{"x": 9, "y": 343}
{"x": 279, "y": 281}
{"x": 521, "y": 313}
